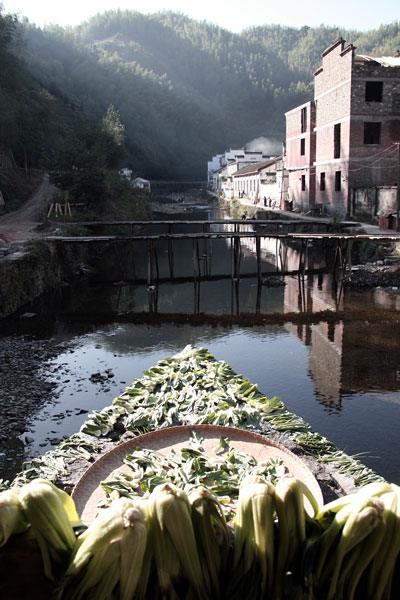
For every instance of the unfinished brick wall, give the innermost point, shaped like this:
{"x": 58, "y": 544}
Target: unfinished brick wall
{"x": 295, "y": 135}
{"x": 300, "y": 154}
{"x": 375, "y": 164}
{"x": 332, "y": 89}
{"x": 356, "y": 113}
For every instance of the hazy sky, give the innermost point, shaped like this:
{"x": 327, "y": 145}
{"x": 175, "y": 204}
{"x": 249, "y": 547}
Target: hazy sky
{"x": 231, "y": 14}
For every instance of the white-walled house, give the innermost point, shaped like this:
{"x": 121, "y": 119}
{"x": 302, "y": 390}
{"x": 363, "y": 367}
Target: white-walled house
{"x": 265, "y": 182}
{"x": 142, "y": 184}
{"x": 213, "y": 166}
{"x": 227, "y": 177}
{"x": 229, "y": 158}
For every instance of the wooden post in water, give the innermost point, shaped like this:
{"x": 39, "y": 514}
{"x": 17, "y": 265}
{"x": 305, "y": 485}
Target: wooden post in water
{"x": 198, "y": 258}
{"x": 237, "y": 258}
{"x": 196, "y": 297}
{"x": 133, "y": 263}
{"x": 232, "y": 259}
{"x": 206, "y": 229}
{"x": 195, "y": 260}
{"x": 349, "y": 249}
{"x": 119, "y": 261}
{"x": 343, "y": 258}
{"x": 149, "y": 265}
{"x": 170, "y": 254}
{"x": 301, "y": 256}
{"x": 258, "y": 300}
{"x": 155, "y": 257}
{"x": 305, "y": 258}
{"x": 336, "y": 259}
{"x": 258, "y": 252}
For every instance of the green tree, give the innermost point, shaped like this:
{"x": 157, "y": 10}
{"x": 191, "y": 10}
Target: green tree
{"x": 112, "y": 137}
{"x": 89, "y": 158}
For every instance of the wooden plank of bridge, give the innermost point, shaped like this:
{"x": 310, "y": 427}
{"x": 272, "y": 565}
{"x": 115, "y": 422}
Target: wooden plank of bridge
{"x": 224, "y": 235}
{"x": 260, "y": 222}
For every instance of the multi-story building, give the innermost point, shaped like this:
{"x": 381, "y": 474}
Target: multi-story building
{"x": 347, "y": 137}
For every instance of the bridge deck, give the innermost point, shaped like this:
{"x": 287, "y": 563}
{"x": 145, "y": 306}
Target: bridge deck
{"x": 291, "y": 222}
{"x": 395, "y": 237}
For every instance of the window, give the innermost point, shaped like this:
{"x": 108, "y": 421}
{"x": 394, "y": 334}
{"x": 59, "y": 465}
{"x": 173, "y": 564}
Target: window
{"x": 303, "y": 119}
{"x": 373, "y": 91}
{"x": 322, "y": 181}
{"x": 372, "y": 133}
{"x": 336, "y": 141}
{"x": 303, "y": 146}
{"x": 338, "y": 181}
{"x": 303, "y": 183}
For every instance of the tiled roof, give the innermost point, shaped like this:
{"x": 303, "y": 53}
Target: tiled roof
{"x": 256, "y": 167}
{"x": 385, "y": 61}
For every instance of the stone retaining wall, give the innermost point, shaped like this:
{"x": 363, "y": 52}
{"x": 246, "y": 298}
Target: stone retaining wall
{"x": 27, "y": 273}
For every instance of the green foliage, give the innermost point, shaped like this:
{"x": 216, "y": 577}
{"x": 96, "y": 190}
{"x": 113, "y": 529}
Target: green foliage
{"x": 363, "y": 252}
{"x": 112, "y": 127}
{"x": 86, "y": 164}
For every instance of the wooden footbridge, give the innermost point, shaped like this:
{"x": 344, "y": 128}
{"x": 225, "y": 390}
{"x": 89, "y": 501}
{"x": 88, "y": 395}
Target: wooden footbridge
{"x": 233, "y": 231}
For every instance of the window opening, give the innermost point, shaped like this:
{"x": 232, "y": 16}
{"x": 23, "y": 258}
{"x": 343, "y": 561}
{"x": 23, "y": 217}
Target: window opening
{"x": 304, "y": 119}
{"x": 303, "y": 183}
{"x": 372, "y": 133}
{"x": 338, "y": 181}
{"x": 336, "y": 140}
{"x": 322, "y": 181}
{"x": 373, "y": 91}
{"x": 303, "y": 146}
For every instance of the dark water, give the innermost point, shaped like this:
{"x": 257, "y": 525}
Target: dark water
{"x": 331, "y": 354}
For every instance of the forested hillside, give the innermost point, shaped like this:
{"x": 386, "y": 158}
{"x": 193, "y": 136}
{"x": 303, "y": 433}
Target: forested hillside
{"x": 184, "y": 90}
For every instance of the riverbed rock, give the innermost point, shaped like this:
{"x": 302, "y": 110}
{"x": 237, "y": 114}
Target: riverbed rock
{"x": 374, "y": 276}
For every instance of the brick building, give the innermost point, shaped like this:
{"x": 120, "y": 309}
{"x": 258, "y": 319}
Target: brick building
{"x": 300, "y": 155}
{"x": 347, "y": 137}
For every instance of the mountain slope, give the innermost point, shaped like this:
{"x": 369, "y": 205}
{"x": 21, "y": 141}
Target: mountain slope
{"x": 184, "y": 90}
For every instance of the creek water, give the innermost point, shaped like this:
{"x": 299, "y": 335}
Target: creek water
{"x": 331, "y": 354}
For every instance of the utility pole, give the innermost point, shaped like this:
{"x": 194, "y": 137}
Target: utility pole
{"x": 398, "y": 189}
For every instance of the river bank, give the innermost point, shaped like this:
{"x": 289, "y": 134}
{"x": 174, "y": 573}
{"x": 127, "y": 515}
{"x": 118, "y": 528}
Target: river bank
{"x": 25, "y": 390}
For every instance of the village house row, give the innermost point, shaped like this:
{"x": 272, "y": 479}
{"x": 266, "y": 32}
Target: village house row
{"x": 341, "y": 154}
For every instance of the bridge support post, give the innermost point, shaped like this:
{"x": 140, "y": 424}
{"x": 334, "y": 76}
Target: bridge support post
{"x": 170, "y": 254}
{"x": 258, "y": 252}
{"x": 119, "y": 261}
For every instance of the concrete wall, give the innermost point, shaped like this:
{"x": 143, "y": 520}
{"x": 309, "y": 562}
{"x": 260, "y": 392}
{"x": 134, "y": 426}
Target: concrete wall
{"x": 374, "y": 200}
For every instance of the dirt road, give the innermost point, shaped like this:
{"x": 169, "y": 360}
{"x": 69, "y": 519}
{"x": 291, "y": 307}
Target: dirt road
{"x": 20, "y": 225}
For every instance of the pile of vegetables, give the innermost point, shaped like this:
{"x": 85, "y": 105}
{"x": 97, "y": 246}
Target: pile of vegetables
{"x": 190, "y": 468}
{"x": 189, "y": 388}
{"x": 172, "y": 545}
{"x": 168, "y": 530}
